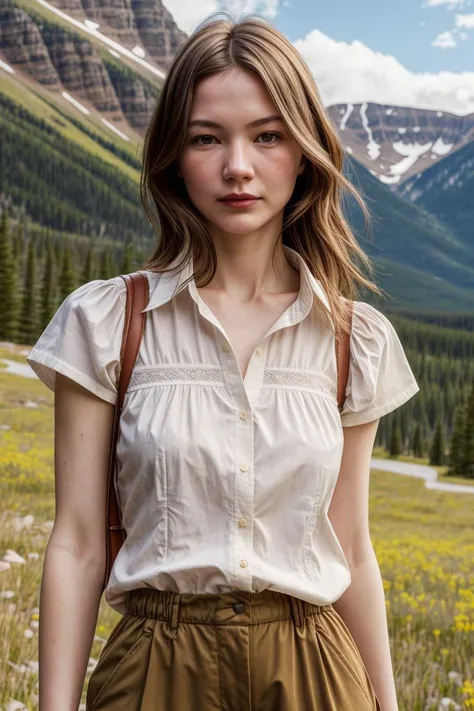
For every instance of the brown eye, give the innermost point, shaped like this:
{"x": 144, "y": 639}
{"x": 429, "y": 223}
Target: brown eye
{"x": 277, "y": 135}
{"x": 196, "y": 138}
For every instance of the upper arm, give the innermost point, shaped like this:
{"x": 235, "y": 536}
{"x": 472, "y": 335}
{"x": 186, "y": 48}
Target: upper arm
{"x": 349, "y": 508}
{"x": 83, "y": 429}
{"x": 78, "y": 357}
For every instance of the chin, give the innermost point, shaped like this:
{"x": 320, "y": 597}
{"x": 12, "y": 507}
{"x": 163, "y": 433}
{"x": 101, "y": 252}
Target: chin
{"x": 239, "y": 226}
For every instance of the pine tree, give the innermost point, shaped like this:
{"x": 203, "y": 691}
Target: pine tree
{"x": 468, "y": 453}
{"x": 57, "y": 251}
{"x": 8, "y": 284}
{"x": 18, "y": 249}
{"x": 88, "y": 273}
{"x": 29, "y": 314}
{"x": 417, "y": 442}
{"x": 437, "y": 444}
{"x": 105, "y": 265}
{"x": 48, "y": 292}
{"x": 127, "y": 261}
{"x": 395, "y": 442}
{"x": 67, "y": 279}
{"x": 456, "y": 450}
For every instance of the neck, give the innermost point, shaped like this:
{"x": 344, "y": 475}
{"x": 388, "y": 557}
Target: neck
{"x": 248, "y": 273}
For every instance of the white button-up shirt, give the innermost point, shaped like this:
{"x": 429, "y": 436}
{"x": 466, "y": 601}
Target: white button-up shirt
{"x": 225, "y": 483}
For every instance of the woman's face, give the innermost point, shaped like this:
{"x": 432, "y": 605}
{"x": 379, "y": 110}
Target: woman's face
{"x": 237, "y": 157}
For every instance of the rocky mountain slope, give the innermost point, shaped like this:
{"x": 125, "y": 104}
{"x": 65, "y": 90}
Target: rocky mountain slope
{"x": 394, "y": 143}
{"x": 62, "y": 60}
{"x": 146, "y": 23}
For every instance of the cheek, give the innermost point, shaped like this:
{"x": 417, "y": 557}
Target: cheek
{"x": 196, "y": 170}
{"x": 280, "y": 167}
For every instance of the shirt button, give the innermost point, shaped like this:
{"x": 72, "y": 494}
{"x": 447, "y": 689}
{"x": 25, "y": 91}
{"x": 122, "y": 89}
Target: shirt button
{"x": 243, "y": 563}
{"x": 242, "y": 522}
{"x": 226, "y": 348}
{"x": 243, "y": 415}
{"x": 259, "y": 351}
{"x": 244, "y": 467}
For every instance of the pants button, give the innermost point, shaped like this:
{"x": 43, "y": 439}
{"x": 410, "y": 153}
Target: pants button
{"x": 238, "y": 607}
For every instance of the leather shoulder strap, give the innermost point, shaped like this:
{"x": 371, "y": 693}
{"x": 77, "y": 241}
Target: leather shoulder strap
{"x": 343, "y": 358}
{"x": 137, "y": 299}
{"x": 134, "y": 325}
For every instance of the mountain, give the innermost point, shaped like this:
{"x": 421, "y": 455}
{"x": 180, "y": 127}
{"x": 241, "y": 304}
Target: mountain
{"x": 143, "y": 23}
{"x": 394, "y": 142}
{"x": 419, "y": 260}
{"x": 67, "y": 62}
{"x": 447, "y": 191}
{"x": 74, "y": 107}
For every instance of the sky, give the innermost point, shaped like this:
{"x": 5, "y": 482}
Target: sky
{"x": 417, "y": 53}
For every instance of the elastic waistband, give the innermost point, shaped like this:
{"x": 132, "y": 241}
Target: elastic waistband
{"x": 237, "y": 607}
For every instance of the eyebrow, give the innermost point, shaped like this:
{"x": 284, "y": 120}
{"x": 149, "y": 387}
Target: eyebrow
{"x": 213, "y": 124}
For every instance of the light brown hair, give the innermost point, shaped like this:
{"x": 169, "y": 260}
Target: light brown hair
{"x": 313, "y": 221}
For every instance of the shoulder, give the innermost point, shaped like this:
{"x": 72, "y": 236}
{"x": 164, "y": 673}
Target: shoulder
{"x": 97, "y": 290}
{"x": 366, "y": 313}
{"x": 368, "y": 323}
{"x": 97, "y": 302}
{"x": 95, "y": 309}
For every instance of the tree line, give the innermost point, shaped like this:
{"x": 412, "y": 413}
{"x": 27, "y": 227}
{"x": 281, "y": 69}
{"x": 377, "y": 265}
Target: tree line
{"x": 37, "y": 274}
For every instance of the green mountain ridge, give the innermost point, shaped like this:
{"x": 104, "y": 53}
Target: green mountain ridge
{"x": 446, "y": 190}
{"x": 428, "y": 262}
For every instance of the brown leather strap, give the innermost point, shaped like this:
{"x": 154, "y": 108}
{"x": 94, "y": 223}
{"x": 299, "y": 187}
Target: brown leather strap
{"x": 343, "y": 358}
{"x": 134, "y": 325}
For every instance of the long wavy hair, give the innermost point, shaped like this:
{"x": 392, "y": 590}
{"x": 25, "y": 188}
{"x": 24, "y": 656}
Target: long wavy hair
{"x": 313, "y": 221}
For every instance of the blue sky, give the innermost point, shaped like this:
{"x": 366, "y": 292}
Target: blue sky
{"x": 416, "y": 53}
{"x": 403, "y": 28}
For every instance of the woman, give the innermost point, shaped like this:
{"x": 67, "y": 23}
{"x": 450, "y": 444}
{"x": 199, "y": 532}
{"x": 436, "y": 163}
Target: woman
{"x": 247, "y": 578}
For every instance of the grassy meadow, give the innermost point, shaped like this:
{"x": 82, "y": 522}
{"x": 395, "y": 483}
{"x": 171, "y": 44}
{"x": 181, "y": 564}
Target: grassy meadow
{"x": 424, "y": 542}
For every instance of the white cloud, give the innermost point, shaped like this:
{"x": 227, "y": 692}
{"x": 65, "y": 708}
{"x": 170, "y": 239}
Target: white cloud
{"x": 269, "y": 8}
{"x": 465, "y": 21}
{"x": 448, "y": 39}
{"x": 354, "y": 73}
{"x": 444, "y": 40}
{"x": 188, "y": 14}
{"x": 450, "y": 3}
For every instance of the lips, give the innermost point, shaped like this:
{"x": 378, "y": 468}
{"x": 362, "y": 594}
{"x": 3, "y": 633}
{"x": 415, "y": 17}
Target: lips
{"x": 242, "y": 196}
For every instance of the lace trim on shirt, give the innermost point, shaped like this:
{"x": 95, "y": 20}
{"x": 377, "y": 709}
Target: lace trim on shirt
{"x": 309, "y": 380}
{"x": 175, "y": 375}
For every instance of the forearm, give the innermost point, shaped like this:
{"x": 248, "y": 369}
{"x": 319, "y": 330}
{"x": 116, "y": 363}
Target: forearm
{"x": 362, "y": 607}
{"x": 69, "y": 606}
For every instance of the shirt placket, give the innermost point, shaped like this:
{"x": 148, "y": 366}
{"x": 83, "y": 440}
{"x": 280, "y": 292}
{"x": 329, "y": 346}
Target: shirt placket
{"x": 244, "y": 487}
{"x": 243, "y": 505}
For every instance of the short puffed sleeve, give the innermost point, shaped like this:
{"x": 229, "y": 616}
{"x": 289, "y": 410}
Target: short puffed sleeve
{"x": 84, "y": 338}
{"x": 380, "y": 378}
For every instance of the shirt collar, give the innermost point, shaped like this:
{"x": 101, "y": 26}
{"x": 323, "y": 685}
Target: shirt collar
{"x": 165, "y": 285}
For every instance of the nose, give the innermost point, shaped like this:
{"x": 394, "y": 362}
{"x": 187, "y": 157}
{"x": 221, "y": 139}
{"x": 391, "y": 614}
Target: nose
{"x": 237, "y": 162}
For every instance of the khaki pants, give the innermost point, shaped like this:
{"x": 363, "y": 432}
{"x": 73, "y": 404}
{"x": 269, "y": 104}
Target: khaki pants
{"x": 230, "y": 652}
